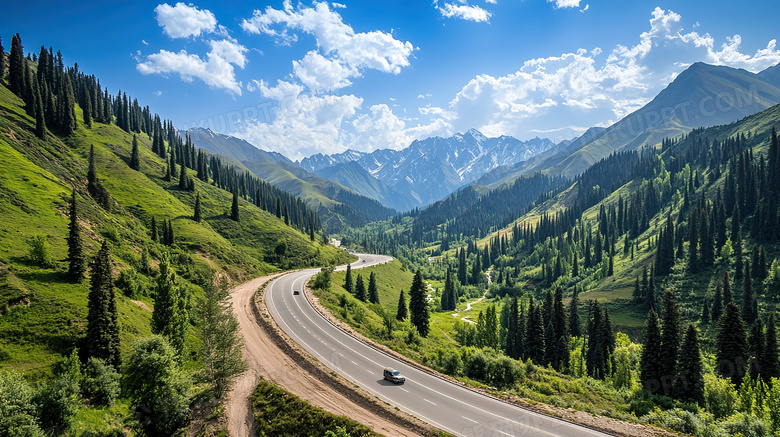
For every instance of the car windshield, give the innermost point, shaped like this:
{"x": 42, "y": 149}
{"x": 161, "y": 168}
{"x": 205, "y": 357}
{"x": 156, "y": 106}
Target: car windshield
{"x": 396, "y": 373}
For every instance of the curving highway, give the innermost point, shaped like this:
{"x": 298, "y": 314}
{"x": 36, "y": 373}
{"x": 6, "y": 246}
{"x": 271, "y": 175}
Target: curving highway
{"x": 441, "y": 403}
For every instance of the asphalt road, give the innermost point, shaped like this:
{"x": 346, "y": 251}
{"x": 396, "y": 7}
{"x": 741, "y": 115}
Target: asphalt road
{"x": 441, "y": 403}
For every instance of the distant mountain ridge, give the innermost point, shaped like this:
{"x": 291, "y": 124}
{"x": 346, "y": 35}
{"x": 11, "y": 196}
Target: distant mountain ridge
{"x": 430, "y": 169}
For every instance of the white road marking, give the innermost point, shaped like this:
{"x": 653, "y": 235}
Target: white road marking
{"x": 404, "y": 389}
{"x": 432, "y": 403}
{"x": 470, "y": 420}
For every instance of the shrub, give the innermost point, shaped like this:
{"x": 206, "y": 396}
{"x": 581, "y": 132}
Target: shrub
{"x": 40, "y": 251}
{"x": 129, "y": 282}
{"x": 322, "y": 280}
{"x": 676, "y": 419}
{"x": 60, "y": 400}
{"x": 101, "y": 382}
{"x": 746, "y": 425}
{"x": 17, "y": 410}
{"x": 719, "y": 395}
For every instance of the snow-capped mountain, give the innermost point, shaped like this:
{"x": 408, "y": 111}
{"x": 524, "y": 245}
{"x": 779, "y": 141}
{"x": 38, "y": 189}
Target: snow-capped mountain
{"x": 432, "y": 168}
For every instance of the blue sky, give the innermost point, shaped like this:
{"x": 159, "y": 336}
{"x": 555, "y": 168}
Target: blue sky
{"x": 308, "y": 77}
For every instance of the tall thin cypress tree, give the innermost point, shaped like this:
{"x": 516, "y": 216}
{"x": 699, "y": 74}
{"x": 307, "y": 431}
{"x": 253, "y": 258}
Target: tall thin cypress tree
{"x": 76, "y": 258}
{"x": 102, "y": 339}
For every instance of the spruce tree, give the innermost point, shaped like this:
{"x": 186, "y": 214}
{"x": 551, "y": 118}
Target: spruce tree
{"x": 650, "y": 363}
{"x": 727, "y": 297}
{"x": 575, "y": 326}
{"x": 748, "y": 299}
{"x": 183, "y": 182}
{"x": 731, "y": 344}
{"x": 16, "y": 66}
{"x": 348, "y": 285}
{"x": 197, "y": 214}
{"x": 513, "y": 330}
{"x": 67, "y": 107}
{"x": 135, "y": 160}
{"x": 449, "y": 297}
{"x": 757, "y": 348}
{"x": 670, "y": 339}
{"x": 360, "y": 289}
{"x": 770, "y": 365}
{"x": 688, "y": 385}
{"x": 168, "y": 319}
{"x": 534, "y": 338}
{"x": 705, "y": 312}
{"x": 373, "y": 293}
{"x": 87, "y": 109}
{"x": 717, "y": 304}
{"x": 102, "y": 339}
{"x": 234, "y": 206}
{"x": 462, "y": 267}
{"x": 736, "y": 243}
{"x": 575, "y": 268}
{"x": 595, "y": 356}
{"x": 401, "y": 312}
{"x": 418, "y": 305}
{"x": 2, "y": 60}
{"x": 560, "y": 357}
{"x": 40, "y": 115}
{"x": 76, "y": 258}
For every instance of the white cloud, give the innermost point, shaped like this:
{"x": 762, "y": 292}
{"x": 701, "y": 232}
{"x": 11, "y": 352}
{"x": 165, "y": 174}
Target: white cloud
{"x": 320, "y": 73}
{"x": 492, "y": 2}
{"x": 380, "y": 129}
{"x": 338, "y": 5}
{"x": 216, "y": 70}
{"x": 565, "y": 3}
{"x": 596, "y": 87}
{"x": 182, "y": 21}
{"x": 359, "y": 50}
{"x": 464, "y": 11}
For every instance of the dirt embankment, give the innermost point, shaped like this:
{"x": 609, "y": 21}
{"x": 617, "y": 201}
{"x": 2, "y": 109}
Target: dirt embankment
{"x": 269, "y": 354}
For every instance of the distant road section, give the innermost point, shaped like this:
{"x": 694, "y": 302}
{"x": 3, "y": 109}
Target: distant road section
{"x": 441, "y": 403}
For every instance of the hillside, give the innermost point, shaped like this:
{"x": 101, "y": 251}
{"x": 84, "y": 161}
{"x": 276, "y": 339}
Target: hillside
{"x": 44, "y": 313}
{"x": 337, "y": 205}
{"x": 353, "y": 176}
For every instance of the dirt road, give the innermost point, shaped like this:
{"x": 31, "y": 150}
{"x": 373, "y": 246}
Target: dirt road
{"x": 266, "y": 358}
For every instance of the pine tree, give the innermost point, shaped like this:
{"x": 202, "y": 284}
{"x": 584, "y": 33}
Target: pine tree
{"x": 717, "y": 304}
{"x": 183, "y": 182}
{"x": 418, "y": 305}
{"x": 197, "y": 214}
{"x": 373, "y": 293}
{"x": 727, "y": 298}
{"x": 770, "y": 365}
{"x": 462, "y": 267}
{"x": 731, "y": 344}
{"x": 575, "y": 268}
{"x": 169, "y": 317}
{"x": 595, "y": 356}
{"x": 135, "y": 160}
{"x": 401, "y": 312}
{"x": 736, "y": 243}
{"x": 67, "y": 104}
{"x": 535, "y": 344}
{"x": 513, "y": 330}
{"x": 86, "y": 110}
{"x": 348, "y": 285}
{"x": 2, "y": 60}
{"x": 650, "y": 365}
{"x": 360, "y": 289}
{"x": 575, "y": 326}
{"x": 102, "y": 339}
{"x": 560, "y": 359}
{"x": 449, "y": 297}
{"x": 16, "y": 66}
{"x": 76, "y": 258}
{"x": 40, "y": 116}
{"x": 748, "y": 299}
{"x": 234, "y": 206}
{"x": 756, "y": 346}
{"x": 688, "y": 385}
{"x": 670, "y": 339}
{"x": 705, "y": 312}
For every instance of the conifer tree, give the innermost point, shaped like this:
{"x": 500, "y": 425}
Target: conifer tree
{"x": 748, "y": 299}
{"x": 135, "y": 160}
{"x": 462, "y": 267}
{"x": 234, "y": 206}
{"x": 575, "y": 268}
{"x": 513, "y": 330}
{"x": 560, "y": 359}
{"x": 575, "y": 326}
{"x": 373, "y": 293}
{"x": 418, "y": 305}
{"x": 736, "y": 243}
{"x": 688, "y": 386}
{"x": 717, "y": 304}
{"x": 705, "y": 312}
{"x": 670, "y": 339}
{"x": 770, "y": 365}
{"x": 731, "y": 344}
{"x": 2, "y": 60}
{"x": 594, "y": 358}
{"x": 66, "y": 110}
{"x": 491, "y": 328}
{"x": 87, "y": 109}
{"x": 534, "y": 338}
{"x": 449, "y": 297}
{"x": 16, "y": 66}
{"x": 727, "y": 297}
{"x": 76, "y": 258}
{"x": 348, "y": 285}
{"x": 756, "y": 346}
{"x": 183, "y": 182}
{"x": 360, "y": 289}
{"x": 650, "y": 364}
{"x": 102, "y": 339}
{"x": 401, "y": 312}
{"x": 197, "y": 214}
{"x": 169, "y": 317}
{"x": 40, "y": 115}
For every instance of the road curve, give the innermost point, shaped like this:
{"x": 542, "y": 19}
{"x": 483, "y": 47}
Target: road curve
{"x": 439, "y": 402}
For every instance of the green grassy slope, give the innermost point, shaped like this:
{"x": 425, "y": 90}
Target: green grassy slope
{"x": 42, "y": 314}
